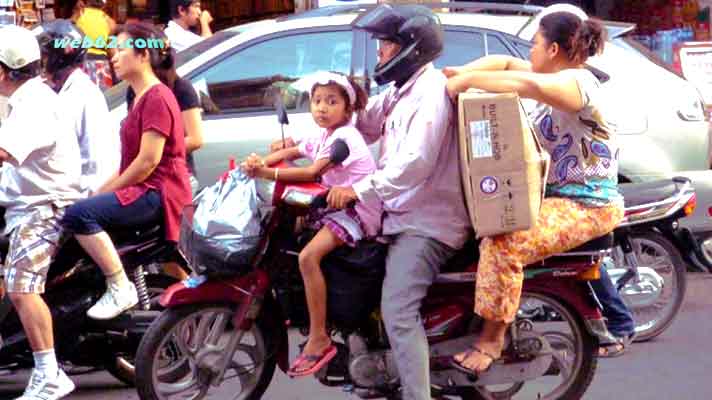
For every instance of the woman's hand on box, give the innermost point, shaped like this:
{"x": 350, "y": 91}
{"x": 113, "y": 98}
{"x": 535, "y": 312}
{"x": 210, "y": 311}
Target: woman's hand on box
{"x": 454, "y": 87}
{"x": 449, "y": 72}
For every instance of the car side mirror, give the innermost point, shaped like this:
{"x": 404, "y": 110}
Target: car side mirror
{"x": 339, "y": 152}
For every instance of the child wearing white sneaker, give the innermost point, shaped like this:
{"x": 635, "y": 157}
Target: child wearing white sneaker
{"x": 42, "y": 179}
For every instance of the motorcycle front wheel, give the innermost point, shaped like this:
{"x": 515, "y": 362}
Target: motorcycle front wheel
{"x": 654, "y": 299}
{"x": 180, "y": 353}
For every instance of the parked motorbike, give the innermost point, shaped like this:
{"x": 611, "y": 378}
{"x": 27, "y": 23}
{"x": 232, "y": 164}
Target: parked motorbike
{"x": 648, "y": 268}
{"x": 74, "y": 284}
{"x": 223, "y": 336}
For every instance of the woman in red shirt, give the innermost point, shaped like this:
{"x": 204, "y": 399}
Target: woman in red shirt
{"x": 152, "y": 183}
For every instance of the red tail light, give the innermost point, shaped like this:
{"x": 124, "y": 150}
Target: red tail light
{"x": 690, "y": 205}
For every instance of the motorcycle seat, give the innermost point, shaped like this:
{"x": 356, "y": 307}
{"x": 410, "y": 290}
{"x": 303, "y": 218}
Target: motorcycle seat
{"x": 602, "y": 243}
{"x": 469, "y": 254}
{"x": 636, "y": 194}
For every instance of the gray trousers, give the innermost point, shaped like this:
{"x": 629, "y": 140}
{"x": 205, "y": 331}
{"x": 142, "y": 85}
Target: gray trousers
{"x": 411, "y": 267}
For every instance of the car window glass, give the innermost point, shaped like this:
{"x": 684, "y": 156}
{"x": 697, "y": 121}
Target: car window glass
{"x": 495, "y": 45}
{"x": 461, "y": 47}
{"x": 524, "y": 48}
{"x": 250, "y": 80}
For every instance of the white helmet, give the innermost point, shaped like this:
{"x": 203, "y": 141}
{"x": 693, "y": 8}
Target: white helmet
{"x": 530, "y": 29}
{"x": 18, "y": 47}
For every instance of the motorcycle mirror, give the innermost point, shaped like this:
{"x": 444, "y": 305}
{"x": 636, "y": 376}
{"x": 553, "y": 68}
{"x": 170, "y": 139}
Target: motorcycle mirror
{"x": 339, "y": 152}
{"x": 281, "y": 111}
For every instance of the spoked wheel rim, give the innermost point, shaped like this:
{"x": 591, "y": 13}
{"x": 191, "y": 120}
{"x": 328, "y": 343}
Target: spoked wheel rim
{"x": 573, "y": 361}
{"x": 188, "y": 358}
{"x": 653, "y": 255}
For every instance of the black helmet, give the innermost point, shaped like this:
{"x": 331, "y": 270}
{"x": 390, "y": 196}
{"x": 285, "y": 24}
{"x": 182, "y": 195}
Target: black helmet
{"x": 415, "y": 28}
{"x": 55, "y": 38}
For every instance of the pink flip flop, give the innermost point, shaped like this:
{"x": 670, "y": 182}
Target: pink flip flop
{"x": 319, "y": 360}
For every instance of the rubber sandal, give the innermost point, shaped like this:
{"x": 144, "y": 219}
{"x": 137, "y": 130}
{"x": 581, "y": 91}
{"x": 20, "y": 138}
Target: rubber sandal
{"x": 319, "y": 360}
{"x": 617, "y": 349}
{"x": 474, "y": 349}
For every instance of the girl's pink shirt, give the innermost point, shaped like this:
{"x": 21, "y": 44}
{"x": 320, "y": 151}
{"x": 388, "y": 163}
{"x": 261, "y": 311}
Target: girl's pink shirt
{"x": 358, "y": 165}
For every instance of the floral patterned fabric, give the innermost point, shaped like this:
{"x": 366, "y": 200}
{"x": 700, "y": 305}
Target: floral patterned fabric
{"x": 562, "y": 224}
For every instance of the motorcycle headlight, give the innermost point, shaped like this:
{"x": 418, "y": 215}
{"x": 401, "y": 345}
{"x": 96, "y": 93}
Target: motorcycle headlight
{"x": 297, "y": 198}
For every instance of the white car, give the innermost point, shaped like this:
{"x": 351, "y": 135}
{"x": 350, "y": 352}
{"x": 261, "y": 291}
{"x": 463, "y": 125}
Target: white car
{"x": 240, "y": 71}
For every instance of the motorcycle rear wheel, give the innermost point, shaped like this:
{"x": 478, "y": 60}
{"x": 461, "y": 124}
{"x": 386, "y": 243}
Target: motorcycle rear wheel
{"x": 168, "y": 346}
{"x": 576, "y": 341}
{"x": 655, "y": 251}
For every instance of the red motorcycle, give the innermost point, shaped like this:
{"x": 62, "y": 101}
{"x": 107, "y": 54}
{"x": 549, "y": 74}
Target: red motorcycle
{"x": 221, "y": 337}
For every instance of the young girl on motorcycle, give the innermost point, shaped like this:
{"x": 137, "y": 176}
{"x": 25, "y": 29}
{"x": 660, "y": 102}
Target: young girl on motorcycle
{"x": 334, "y": 99}
{"x": 582, "y": 199}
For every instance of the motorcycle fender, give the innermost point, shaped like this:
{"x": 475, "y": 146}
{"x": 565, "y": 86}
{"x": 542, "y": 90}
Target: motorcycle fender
{"x": 575, "y": 294}
{"x": 210, "y": 291}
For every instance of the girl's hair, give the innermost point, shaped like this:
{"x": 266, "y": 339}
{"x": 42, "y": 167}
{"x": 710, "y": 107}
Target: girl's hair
{"x": 161, "y": 54}
{"x": 579, "y": 39}
{"x": 361, "y": 95}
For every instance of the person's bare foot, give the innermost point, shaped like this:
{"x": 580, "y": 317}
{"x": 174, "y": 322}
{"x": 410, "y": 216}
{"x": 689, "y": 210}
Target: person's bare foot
{"x": 480, "y": 356}
{"x": 315, "y": 352}
{"x": 316, "y": 345}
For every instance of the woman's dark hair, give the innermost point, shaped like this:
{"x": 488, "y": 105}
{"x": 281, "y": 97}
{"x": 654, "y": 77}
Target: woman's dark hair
{"x": 95, "y": 3}
{"x": 577, "y": 38}
{"x": 161, "y": 54}
{"x": 176, "y": 5}
{"x": 361, "y": 95}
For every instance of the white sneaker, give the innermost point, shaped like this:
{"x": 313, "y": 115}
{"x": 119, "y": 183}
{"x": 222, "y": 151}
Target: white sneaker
{"x": 43, "y": 388}
{"x": 114, "y": 302}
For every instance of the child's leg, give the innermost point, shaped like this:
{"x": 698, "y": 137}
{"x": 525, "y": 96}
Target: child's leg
{"x": 309, "y": 264}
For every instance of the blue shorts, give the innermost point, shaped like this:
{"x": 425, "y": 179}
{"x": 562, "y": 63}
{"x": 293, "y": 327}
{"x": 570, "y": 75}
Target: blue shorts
{"x": 104, "y": 212}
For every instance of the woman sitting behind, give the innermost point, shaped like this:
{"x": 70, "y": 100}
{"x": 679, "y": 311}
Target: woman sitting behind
{"x": 582, "y": 199}
{"x": 152, "y": 183}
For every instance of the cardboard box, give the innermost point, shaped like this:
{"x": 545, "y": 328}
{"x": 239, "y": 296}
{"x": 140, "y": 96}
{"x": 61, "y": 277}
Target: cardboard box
{"x": 503, "y": 165}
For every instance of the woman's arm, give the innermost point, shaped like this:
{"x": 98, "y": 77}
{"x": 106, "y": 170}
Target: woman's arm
{"x": 558, "y": 90}
{"x": 193, "y": 124}
{"x": 149, "y": 156}
{"x": 294, "y": 174}
{"x": 490, "y": 63}
{"x": 102, "y": 188}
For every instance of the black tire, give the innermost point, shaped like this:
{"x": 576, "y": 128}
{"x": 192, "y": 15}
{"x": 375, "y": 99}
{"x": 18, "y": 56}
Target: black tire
{"x": 680, "y": 273}
{"x": 121, "y": 366}
{"x": 162, "y": 326}
{"x": 587, "y": 365}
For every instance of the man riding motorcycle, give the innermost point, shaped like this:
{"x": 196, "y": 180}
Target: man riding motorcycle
{"x": 417, "y": 179}
{"x": 84, "y": 102}
{"x": 41, "y": 181}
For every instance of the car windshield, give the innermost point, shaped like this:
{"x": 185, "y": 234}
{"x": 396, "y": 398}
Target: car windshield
{"x": 116, "y": 95}
{"x": 629, "y": 42}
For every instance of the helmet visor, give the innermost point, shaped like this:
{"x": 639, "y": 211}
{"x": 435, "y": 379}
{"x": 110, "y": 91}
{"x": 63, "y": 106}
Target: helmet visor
{"x": 381, "y": 22}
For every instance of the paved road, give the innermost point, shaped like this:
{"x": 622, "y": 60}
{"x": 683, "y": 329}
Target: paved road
{"x": 677, "y": 365}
